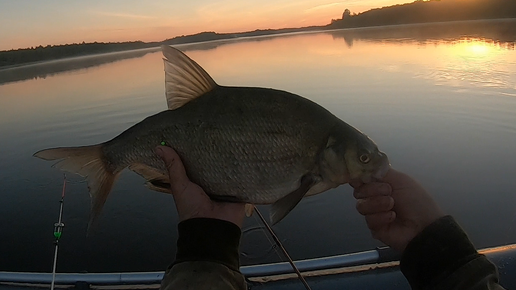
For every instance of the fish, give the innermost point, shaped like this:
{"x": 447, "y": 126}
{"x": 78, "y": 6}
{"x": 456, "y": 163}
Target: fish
{"x": 240, "y": 144}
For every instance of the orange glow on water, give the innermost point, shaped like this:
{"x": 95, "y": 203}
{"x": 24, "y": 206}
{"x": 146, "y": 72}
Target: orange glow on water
{"x": 475, "y": 48}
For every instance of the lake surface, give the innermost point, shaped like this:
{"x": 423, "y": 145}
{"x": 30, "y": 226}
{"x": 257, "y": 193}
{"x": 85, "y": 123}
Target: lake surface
{"x": 439, "y": 99}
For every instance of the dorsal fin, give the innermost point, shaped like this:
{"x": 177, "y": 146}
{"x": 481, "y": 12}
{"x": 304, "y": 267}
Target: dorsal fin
{"x": 185, "y": 80}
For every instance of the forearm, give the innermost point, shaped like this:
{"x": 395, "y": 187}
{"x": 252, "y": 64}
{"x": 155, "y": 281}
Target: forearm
{"x": 207, "y": 256}
{"x": 442, "y": 257}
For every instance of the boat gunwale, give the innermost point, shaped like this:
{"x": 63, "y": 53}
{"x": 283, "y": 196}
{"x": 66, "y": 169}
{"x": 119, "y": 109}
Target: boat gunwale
{"x": 348, "y": 263}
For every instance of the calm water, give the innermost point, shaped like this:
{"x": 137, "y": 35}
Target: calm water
{"x": 440, "y": 100}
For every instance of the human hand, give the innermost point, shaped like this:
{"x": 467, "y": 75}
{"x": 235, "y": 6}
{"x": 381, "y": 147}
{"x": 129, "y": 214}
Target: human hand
{"x": 191, "y": 200}
{"x": 396, "y": 209}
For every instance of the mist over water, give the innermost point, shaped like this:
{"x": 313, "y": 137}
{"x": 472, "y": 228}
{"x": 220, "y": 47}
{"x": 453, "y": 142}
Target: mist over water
{"x": 440, "y": 102}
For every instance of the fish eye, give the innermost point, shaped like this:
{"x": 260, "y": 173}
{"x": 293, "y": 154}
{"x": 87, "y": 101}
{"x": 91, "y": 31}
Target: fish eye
{"x": 364, "y": 158}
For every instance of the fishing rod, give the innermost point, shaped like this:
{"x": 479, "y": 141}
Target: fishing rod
{"x": 58, "y": 229}
{"x": 280, "y": 245}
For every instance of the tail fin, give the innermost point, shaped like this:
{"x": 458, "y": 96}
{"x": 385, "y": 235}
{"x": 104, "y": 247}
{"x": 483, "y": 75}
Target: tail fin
{"x": 86, "y": 161}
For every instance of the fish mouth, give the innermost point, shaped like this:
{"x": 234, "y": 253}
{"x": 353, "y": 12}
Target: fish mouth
{"x": 385, "y": 165}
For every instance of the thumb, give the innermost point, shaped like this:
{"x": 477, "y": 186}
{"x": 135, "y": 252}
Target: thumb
{"x": 176, "y": 171}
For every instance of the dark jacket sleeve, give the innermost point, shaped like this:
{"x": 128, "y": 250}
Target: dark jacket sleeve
{"x": 207, "y": 257}
{"x": 442, "y": 257}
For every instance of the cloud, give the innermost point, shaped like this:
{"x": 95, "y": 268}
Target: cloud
{"x": 322, "y": 7}
{"x": 123, "y": 15}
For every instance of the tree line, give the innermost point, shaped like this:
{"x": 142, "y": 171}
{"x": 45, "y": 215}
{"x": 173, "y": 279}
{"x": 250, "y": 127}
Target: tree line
{"x": 52, "y": 52}
{"x": 428, "y": 11}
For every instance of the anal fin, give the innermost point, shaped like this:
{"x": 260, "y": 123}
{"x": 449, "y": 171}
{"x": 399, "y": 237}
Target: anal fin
{"x": 283, "y": 206}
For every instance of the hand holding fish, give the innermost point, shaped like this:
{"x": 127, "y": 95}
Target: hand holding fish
{"x": 191, "y": 200}
{"x": 396, "y": 209}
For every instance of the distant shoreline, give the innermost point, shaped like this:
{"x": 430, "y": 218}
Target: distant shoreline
{"x": 418, "y": 12}
{"x": 23, "y": 65}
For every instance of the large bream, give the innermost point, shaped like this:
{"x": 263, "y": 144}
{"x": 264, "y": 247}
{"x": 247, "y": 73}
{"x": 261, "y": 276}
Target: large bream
{"x": 240, "y": 144}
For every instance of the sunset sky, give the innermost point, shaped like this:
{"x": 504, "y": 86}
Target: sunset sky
{"x": 26, "y": 23}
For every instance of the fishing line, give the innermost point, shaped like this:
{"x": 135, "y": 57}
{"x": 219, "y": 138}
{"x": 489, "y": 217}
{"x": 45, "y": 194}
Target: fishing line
{"x": 280, "y": 245}
{"x": 273, "y": 247}
{"x": 58, "y": 229}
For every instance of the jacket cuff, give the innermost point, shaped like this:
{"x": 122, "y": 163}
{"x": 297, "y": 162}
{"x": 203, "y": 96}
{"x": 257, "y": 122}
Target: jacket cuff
{"x": 205, "y": 239}
{"x": 436, "y": 252}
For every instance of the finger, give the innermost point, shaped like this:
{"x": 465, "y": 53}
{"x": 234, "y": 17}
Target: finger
{"x": 397, "y": 178}
{"x": 372, "y": 189}
{"x": 176, "y": 171}
{"x": 375, "y": 204}
{"x": 390, "y": 174}
{"x": 379, "y": 220}
{"x": 355, "y": 183}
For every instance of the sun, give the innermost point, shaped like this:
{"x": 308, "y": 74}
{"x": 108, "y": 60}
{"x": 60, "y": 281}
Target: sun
{"x": 475, "y": 48}
{"x": 479, "y": 49}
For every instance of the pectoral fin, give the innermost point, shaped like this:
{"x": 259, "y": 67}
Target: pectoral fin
{"x": 158, "y": 185}
{"x": 283, "y": 206}
{"x": 156, "y": 180}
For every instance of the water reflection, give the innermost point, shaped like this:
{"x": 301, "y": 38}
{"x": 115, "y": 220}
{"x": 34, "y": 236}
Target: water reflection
{"x": 50, "y": 68}
{"x": 475, "y": 62}
{"x": 472, "y": 53}
{"x": 500, "y": 31}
